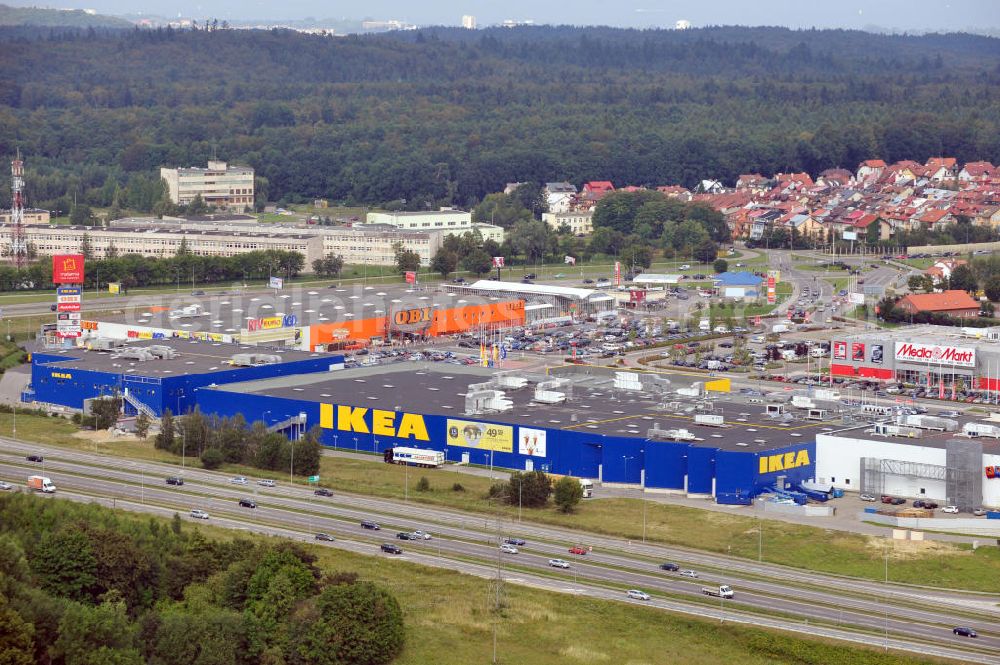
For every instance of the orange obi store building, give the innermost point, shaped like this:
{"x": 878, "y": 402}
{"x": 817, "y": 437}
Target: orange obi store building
{"x": 310, "y": 319}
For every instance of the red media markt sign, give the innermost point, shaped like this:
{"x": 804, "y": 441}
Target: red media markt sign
{"x": 67, "y": 269}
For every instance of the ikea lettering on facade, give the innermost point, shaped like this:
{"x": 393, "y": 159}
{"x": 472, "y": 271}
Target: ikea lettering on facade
{"x": 380, "y": 422}
{"x": 784, "y": 461}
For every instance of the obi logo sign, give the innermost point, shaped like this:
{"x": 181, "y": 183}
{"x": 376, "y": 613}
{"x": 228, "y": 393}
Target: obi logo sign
{"x": 373, "y": 421}
{"x": 784, "y": 461}
{"x": 409, "y": 317}
{"x": 993, "y": 472}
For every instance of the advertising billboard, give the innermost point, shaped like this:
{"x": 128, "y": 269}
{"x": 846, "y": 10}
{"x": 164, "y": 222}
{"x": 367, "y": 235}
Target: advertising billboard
{"x": 772, "y": 291}
{"x": 498, "y": 262}
{"x": 531, "y": 441}
{"x": 858, "y": 351}
{"x": 275, "y": 283}
{"x": 840, "y": 350}
{"x": 484, "y": 436}
{"x": 878, "y": 354}
{"x": 411, "y": 277}
{"x": 935, "y": 354}
{"x": 67, "y": 269}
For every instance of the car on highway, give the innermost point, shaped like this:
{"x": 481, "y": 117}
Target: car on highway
{"x": 421, "y": 535}
{"x": 519, "y": 542}
{"x": 322, "y": 491}
{"x": 175, "y": 480}
{"x": 578, "y": 550}
{"x": 35, "y": 458}
{"x": 508, "y": 549}
{"x": 405, "y": 535}
{"x": 368, "y": 524}
{"x": 964, "y": 631}
{"x": 266, "y": 482}
{"x": 672, "y": 567}
{"x": 199, "y": 514}
{"x": 689, "y": 573}
{"x": 558, "y": 563}
{"x": 867, "y": 497}
{"x": 248, "y": 503}
{"x": 5, "y": 486}
{"x": 239, "y": 480}
{"x": 950, "y": 509}
{"x": 684, "y": 267}
{"x": 635, "y": 594}
{"x": 325, "y": 536}
{"x": 389, "y": 548}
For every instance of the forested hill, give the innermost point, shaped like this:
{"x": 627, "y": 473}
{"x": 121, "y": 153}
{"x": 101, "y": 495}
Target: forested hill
{"x": 71, "y": 18}
{"x": 443, "y": 116}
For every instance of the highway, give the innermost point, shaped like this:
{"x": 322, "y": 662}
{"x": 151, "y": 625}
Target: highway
{"x": 917, "y": 619}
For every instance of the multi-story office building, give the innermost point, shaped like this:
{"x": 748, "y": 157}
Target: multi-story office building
{"x": 220, "y": 185}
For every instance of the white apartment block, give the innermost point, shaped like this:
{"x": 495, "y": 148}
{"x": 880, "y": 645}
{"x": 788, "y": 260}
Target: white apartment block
{"x": 580, "y": 222}
{"x": 220, "y": 185}
{"x": 469, "y": 22}
{"x": 448, "y": 220}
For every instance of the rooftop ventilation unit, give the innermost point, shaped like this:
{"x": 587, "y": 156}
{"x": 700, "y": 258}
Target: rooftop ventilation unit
{"x": 139, "y": 353}
{"x": 161, "y": 351}
{"x": 511, "y": 382}
{"x": 709, "y": 420}
{"x": 253, "y": 359}
{"x": 486, "y": 401}
{"x": 627, "y": 381}
{"x": 680, "y": 434}
{"x": 982, "y": 429}
{"x": 106, "y": 344}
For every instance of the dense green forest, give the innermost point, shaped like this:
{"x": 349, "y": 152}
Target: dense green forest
{"x": 42, "y": 16}
{"x": 443, "y": 116}
{"x": 83, "y": 585}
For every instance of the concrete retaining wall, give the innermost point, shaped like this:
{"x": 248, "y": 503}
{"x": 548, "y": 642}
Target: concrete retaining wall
{"x": 964, "y": 248}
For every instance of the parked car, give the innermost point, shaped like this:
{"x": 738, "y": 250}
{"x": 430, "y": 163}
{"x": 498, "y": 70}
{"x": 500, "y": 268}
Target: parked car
{"x": 558, "y": 563}
{"x": 389, "y": 548}
{"x": 508, "y": 549}
{"x": 199, "y": 514}
{"x": 325, "y": 536}
{"x": 35, "y": 458}
{"x": 689, "y": 573}
{"x": 950, "y": 509}
{"x": 368, "y": 524}
{"x": 266, "y": 482}
{"x": 672, "y": 567}
{"x": 577, "y": 550}
{"x": 635, "y": 594}
{"x": 175, "y": 480}
{"x": 248, "y": 503}
{"x": 964, "y": 631}
{"x": 867, "y": 497}
{"x": 898, "y": 501}
{"x": 322, "y": 491}
{"x": 239, "y": 480}
{"x": 978, "y": 512}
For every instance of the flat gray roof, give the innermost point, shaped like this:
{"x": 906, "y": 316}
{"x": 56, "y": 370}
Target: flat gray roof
{"x": 193, "y": 357}
{"x": 439, "y": 389}
{"x": 227, "y": 313}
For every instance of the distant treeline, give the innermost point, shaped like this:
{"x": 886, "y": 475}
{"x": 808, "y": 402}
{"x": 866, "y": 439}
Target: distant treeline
{"x": 446, "y": 116}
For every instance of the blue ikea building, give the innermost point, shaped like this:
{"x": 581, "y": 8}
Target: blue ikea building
{"x": 611, "y": 437}
{"x": 162, "y": 374}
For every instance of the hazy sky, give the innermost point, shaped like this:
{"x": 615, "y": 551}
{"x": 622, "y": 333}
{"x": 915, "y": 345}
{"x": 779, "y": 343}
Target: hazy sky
{"x": 939, "y": 15}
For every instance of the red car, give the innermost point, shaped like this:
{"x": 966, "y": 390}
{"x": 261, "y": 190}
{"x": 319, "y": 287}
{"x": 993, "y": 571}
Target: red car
{"x": 577, "y": 550}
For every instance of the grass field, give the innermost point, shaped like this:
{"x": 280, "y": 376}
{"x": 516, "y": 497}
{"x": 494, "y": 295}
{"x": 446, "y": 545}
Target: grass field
{"x": 814, "y": 548}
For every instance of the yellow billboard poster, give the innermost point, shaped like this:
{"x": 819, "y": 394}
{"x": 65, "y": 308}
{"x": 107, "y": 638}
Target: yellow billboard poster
{"x": 719, "y": 386}
{"x": 484, "y": 436}
{"x": 114, "y": 287}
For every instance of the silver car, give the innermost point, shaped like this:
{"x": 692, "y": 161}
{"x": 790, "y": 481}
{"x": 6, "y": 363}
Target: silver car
{"x": 689, "y": 573}
{"x": 199, "y": 514}
{"x": 239, "y": 480}
{"x": 266, "y": 483}
{"x": 558, "y": 563}
{"x": 5, "y": 486}
{"x": 635, "y": 594}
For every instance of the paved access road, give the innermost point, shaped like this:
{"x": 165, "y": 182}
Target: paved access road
{"x": 920, "y": 617}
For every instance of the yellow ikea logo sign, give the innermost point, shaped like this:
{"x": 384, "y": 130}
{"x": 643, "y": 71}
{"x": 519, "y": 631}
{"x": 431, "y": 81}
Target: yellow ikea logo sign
{"x": 379, "y": 422}
{"x": 784, "y": 461}
{"x": 61, "y": 375}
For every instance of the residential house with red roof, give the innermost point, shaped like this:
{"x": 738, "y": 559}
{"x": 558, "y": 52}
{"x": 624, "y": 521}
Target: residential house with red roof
{"x": 977, "y": 171}
{"x": 941, "y": 270}
{"x": 870, "y": 169}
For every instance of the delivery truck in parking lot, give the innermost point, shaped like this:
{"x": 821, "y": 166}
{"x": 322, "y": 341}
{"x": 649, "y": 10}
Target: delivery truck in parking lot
{"x": 721, "y": 591}
{"x": 41, "y": 484}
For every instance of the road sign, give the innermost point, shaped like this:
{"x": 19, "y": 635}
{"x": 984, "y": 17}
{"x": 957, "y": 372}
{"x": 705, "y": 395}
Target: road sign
{"x": 314, "y": 479}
